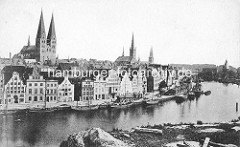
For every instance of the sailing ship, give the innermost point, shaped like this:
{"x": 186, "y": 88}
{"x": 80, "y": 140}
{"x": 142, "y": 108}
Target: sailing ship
{"x": 124, "y": 101}
{"x": 86, "y": 107}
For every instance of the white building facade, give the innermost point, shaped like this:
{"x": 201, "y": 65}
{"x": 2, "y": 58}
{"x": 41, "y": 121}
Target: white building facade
{"x": 126, "y": 86}
{"x": 1, "y": 88}
{"x": 87, "y": 91}
{"x": 100, "y": 90}
{"x": 15, "y": 90}
{"x": 66, "y": 91}
{"x": 35, "y": 90}
{"x": 112, "y": 84}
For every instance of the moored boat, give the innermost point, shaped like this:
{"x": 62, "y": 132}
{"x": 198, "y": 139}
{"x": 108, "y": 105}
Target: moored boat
{"x": 121, "y": 105}
{"x": 41, "y": 110}
{"x": 138, "y": 101}
{"x": 85, "y": 108}
{"x": 191, "y": 95}
{"x": 207, "y": 92}
{"x": 63, "y": 107}
{"x": 152, "y": 101}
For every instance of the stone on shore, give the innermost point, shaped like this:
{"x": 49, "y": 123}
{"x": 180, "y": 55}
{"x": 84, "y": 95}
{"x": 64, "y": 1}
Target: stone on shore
{"x": 236, "y": 128}
{"x": 211, "y": 130}
{"x": 94, "y": 137}
{"x": 176, "y": 144}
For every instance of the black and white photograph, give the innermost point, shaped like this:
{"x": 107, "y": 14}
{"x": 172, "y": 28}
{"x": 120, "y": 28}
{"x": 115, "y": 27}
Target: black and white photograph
{"x": 119, "y": 73}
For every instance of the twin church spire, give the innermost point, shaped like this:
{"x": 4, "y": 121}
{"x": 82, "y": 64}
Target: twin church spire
{"x": 46, "y": 47}
{"x": 41, "y": 29}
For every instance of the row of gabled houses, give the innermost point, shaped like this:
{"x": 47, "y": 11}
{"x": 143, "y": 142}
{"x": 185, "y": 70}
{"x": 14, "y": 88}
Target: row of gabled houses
{"x": 20, "y": 84}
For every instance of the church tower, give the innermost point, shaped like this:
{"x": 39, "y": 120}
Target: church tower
{"x": 51, "y": 42}
{"x": 41, "y": 40}
{"x": 151, "y": 58}
{"x": 133, "y": 50}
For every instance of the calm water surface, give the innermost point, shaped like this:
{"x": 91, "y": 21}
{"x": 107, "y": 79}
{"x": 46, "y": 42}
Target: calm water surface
{"x": 51, "y": 129}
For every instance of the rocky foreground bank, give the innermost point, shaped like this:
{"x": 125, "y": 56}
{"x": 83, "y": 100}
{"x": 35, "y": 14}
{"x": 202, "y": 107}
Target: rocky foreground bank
{"x": 185, "y": 135}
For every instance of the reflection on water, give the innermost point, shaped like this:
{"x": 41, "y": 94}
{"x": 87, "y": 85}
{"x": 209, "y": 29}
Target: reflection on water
{"x": 50, "y": 129}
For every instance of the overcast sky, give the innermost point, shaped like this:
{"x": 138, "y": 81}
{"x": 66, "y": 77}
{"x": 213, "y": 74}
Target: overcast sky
{"x": 180, "y": 31}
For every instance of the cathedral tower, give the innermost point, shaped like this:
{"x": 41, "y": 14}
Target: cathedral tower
{"x": 133, "y": 50}
{"x": 41, "y": 40}
{"x": 51, "y": 42}
{"x": 151, "y": 58}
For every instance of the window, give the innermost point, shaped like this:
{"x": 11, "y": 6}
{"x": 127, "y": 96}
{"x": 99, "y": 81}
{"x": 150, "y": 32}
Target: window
{"x": 35, "y": 91}
{"x": 30, "y": 84}
{"x": 103, "y": 96}
{"x": 30, "y": 91}
{"x": 35, "y": 84}
{"x": 30, "y": 98}
{"x": 41, "y": 98}
{"x": 35, "y": 98}
{"x": 55, "y": 98}
{"x": 41, "y": 90}
{"x": 51, "y": 98}
{"x": 41, "y": 84}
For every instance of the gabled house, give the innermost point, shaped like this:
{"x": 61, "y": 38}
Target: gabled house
{"x": 66, "y": 91}
{"x": 15, "y": 90}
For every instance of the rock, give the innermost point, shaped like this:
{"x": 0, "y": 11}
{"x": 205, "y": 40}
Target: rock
{"x": 147, "y": 130}
{"x": 176, "y": 144}
{"x": 236, "y": 128}
{"x": 76, "y": 140}
{"x": 126, "y": 135}
{"x": 180, "y": 137}
{"x": 94, "y": 137}
{"x": 231, "y": 145}
{"x": 211, "y": 130}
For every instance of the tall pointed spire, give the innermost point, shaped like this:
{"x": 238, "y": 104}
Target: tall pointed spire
{"x": 151, "y": 52}
{"x": 151, "y": 58}
{"x": 132, "y": 45}
{"x": 29, "y": 40}
{"x": 123, "y": 52}
{"x": 51, "y": 32}
{"x": 133, "y": 50}
{"x": 41, "y": 28}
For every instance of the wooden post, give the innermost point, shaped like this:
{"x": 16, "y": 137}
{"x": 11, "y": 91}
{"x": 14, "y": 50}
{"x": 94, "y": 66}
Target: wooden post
{"x": 236, "y": 106}
{"x": 206, "y": 141}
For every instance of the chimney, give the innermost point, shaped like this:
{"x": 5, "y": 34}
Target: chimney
{"x": 10, "y": 55}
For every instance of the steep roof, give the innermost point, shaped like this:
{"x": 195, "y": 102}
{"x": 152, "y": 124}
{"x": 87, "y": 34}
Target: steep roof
{"x": 124, "y": 58}
{"x": 66, "y": 66}
{"x": 28, "y": 48}
{"x": 41, "y": 28}
{"x": 51, "y": 32}
{"x": 22, "y": 70}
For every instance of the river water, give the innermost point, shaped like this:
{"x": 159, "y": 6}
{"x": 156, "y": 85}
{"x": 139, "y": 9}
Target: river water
{"x": 50, "y": 129}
